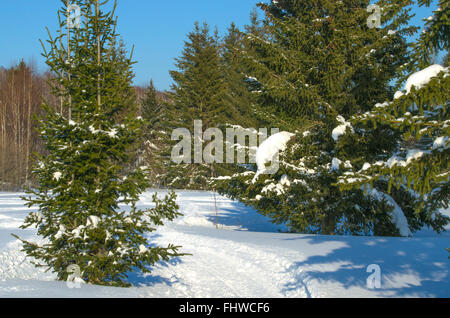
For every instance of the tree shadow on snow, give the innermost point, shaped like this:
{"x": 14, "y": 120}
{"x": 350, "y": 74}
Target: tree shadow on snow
{"x": 139, "y": 279}
{"x": 409, "y": 267}
{"x": 244, "y": 218}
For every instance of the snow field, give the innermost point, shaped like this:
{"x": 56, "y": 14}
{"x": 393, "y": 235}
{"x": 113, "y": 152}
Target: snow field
{"x": 245, "y": 257}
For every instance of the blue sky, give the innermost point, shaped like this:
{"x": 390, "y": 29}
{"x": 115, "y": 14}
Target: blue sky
{"x": 157, "y": 28}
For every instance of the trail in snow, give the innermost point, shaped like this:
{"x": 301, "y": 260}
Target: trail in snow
{"x": 245, "y": 257}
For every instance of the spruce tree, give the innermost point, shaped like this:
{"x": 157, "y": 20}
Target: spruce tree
{"x": 320, "y": 65}
{"x": 199, "y": 85}
{"x": 418, "y": 116}
{"x": 240, "y": 94}
{"x": 87, "y": 173}
{"x": 151, "y": 108}
{"x": 155, "y": 136}
{"x": 199, "y": 93}
{"x": 255, "y": 30}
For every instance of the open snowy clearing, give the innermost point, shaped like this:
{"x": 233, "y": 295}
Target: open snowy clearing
{"x": 245, "y": 257}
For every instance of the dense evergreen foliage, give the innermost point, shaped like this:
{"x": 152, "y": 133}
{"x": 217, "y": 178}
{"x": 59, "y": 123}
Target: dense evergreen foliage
{"x": 365, "y": 112}
{"x": 319, "y": 65}
{"x": 418, "y": 116}
{"x": 207, "y": 89}
{"x": 89, "y": 170}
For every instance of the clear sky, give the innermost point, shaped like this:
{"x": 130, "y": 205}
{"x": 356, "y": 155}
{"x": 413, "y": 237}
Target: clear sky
{"x": 157, "y": 28}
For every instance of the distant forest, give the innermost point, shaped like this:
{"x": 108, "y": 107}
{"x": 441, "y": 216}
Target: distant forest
{"x": 22, "y": 91}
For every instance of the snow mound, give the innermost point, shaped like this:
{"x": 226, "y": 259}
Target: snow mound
{"x": 340, "y": 130}
{"x": 232, "y": 262}
{"x": 440, "y": 142}
{"x": 398, "y": 94}
{"x": 57, "y": 175}
{"x": 421, "y": 78}
{"x": 398, "y": 217}
{"x": 270, "y": 148}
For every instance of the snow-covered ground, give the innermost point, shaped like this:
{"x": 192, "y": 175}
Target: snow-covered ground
{"x": 245, "y": 257}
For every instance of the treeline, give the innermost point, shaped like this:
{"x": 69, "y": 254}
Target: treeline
{"x": 367, "y": 110}
{"x": 212, "y": 86}
{"x": 22, "y": 91}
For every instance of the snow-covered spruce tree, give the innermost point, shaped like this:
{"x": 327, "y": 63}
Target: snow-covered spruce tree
{"x": 199, "y": 94}
{"x": 239, "y": 93}
{"x": 321, "y": 64}
{"x": 86, "y": 174}
{"x": 419, "y": 116}
{"x": 155, "y": 113}
{"x": 244, "y": 90}
{"x": 256, "y": 29}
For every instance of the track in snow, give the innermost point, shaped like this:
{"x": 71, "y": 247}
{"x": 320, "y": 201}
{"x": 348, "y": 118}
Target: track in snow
{"x": 245, "y": 257}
